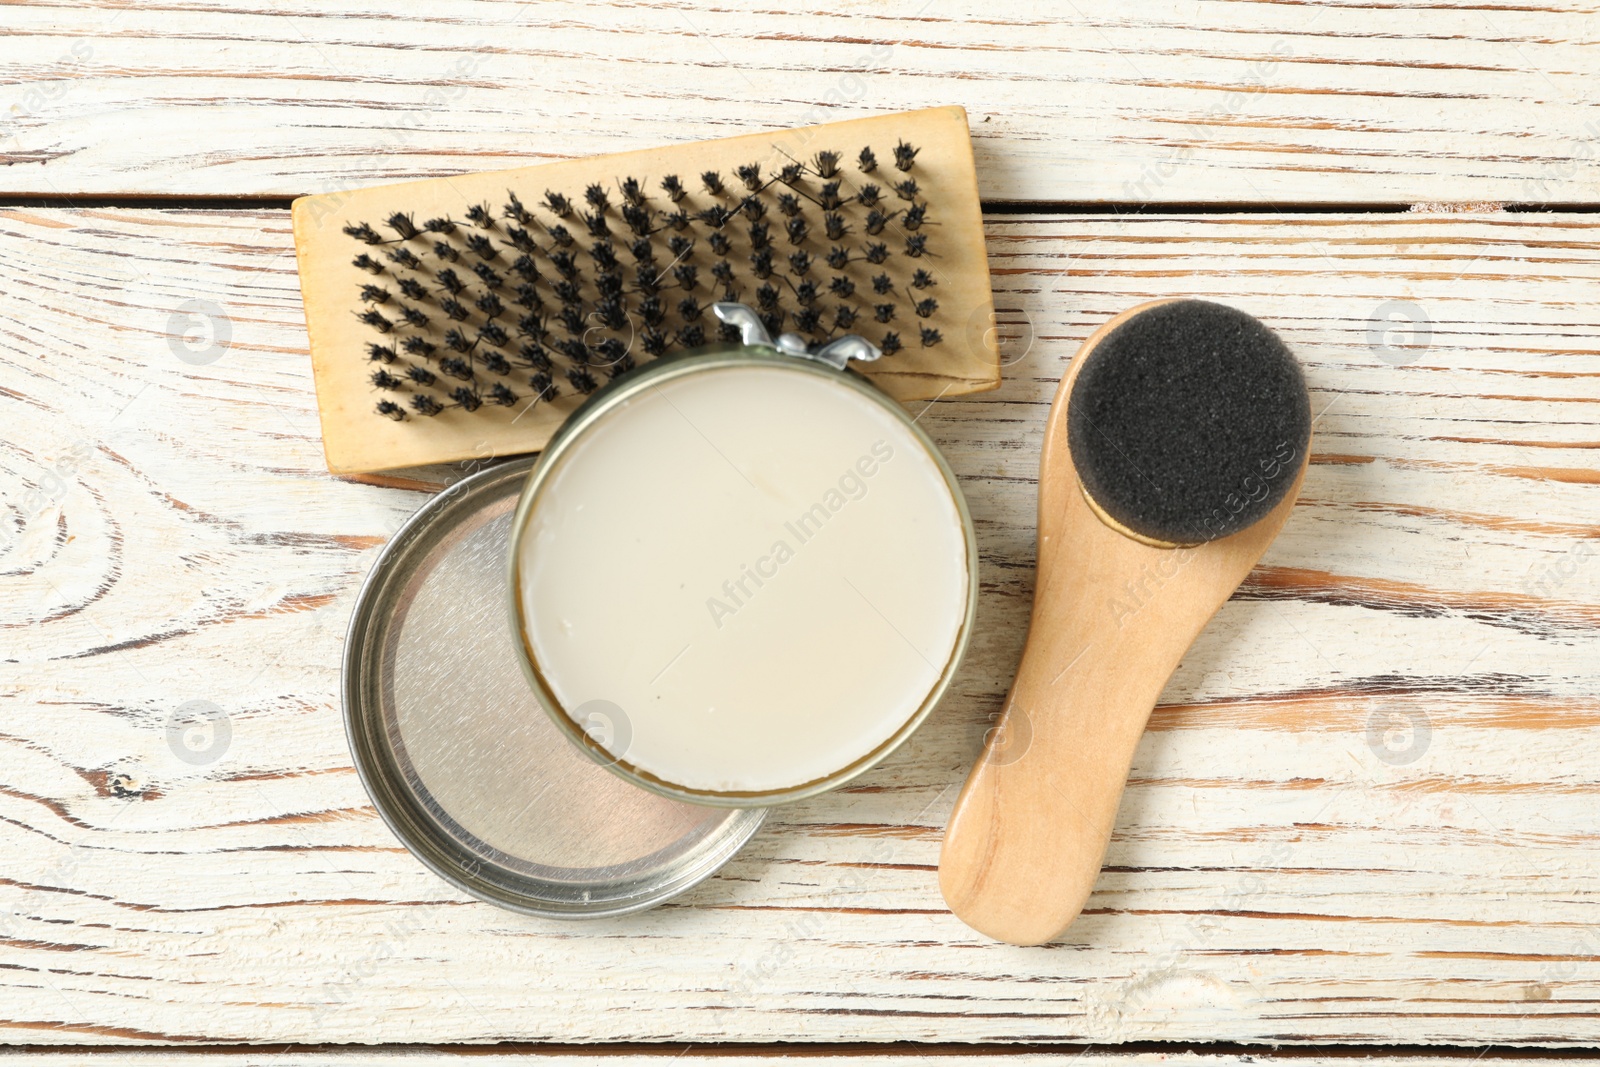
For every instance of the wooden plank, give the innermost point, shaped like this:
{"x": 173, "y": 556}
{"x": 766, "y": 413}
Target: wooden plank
{"x": 1364, "y": 812}
{"x": 680, "y": 1055}
{"x": 1155, "y": 101}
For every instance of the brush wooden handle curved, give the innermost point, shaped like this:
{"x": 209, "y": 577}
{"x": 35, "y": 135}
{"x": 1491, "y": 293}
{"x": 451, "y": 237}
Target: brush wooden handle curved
{"x": 1112, "y": 619}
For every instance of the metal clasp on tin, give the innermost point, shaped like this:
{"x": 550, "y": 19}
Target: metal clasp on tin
{"x": 753, "y": 332}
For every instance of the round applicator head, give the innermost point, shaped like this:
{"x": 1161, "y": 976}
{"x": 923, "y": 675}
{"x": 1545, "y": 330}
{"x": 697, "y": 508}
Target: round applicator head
{"x": 1188, "y": 422}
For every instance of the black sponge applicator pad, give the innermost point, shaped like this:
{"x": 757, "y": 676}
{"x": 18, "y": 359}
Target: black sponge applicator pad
{"x": 1188, "y": 422}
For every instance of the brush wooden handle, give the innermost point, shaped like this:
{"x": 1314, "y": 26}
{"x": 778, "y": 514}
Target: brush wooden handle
{"x": 1112, "y": 618}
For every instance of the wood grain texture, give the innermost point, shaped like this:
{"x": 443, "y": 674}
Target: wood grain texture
{"x": 1364, "y": 810}
{"x": 1154, "y": 100}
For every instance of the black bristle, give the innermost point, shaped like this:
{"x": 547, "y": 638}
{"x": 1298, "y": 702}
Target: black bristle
{"x": 688, "y": 309}
{"x": 565, "y": 263}
{"x": 526, "y": 268}
{"x": 690, "y": 336}
{"x": 501, "y": 394}
{"x": 481, "y": 216}
{"x": 930, "y": 336}
{"x": 838, "y": 258}
{"x": 868, "y": 195}
{"x": 638, "y": 219}
{"x": 678, "y": 220}
{"x": 401, "y": 223}
{"x": 921, "y": 279}
{"x": 419, "y": 346}
{"x": 754, "y": 208}
{"x": 906, "y": 190}
{"x": 633, "y": 191}
{"x": 866, "y": 162}
{"x": 467, "y": 396}
{"x": 716, "y": 216}
{"x": 604, "y": 254}
{"x": 826, "y": 164}
{"x": 877, "y": 220}
{"x": 481, "y": 246}
{"x": 653, "y": 341}
{"x": 882, "y": 283}
{"x": 719, "y": 242}
{"x": 608, "y": 284}
{"x": 904, "y": 156}
{"x": 572, "y": 318}
{"x": 925, "y": 308}
{"x": 421, "y": 375}
{"x": 384, "y": 380}
{"x": 722, "y": 271}
{"x": 495, "y": 363}
{"x": 673, "y": 188}
{"x": 446, "y": 251}
{"x": 876, "y": 252}
{"x": 713, "y": 182}
{"x": 611, "y": 313}
{"x": 890, "y": 343}
{"x": 454, "y": 308}
{"x": 760, "y": 236}
{"x": 456, "y": 367}
{"x": 883, "y": 312}
{"x": 728, "y": 332}
{"x": 595, "y": 196}
{"x": 405, "y": 257}
{"x": 687, "y": 276}
{"x": 642, "y": 250}
{"x": 914, "y": 217}
{"x": 413, "y": 318}
{"x": 844, "y": 317}
{"x": 425, "y": 404}
{"x": 750, "y": 175}
{"x": 680, "y": 246}
{"x": 374, "y": 294}
{"x": 390, "y": 410}
{"x": 652, "y": 311}
{"x": 363, "y": 232}
{"x": 487, "y": 275}
{"x": 828, "y": 197}
{"x": 916, "y": 245}
{"x": 521, "y": 239}
{"x": 528, "y": 297}
{"x": 647, "y": 279}
{"x": 455, "y": 340}
{"x": 767, "y": 298}
{"x": 806, "y": 293}
{"x": 495, "y": 334}
{"x": 797, "y": 230}
{"x": 807, "y": 319}
{"x": 543, "y": 387}
{"x": 582, "y": 380}
{"x": 789, "y": 204}
{"x": 833, "y": 224}
{"x": 596, "y": 224}
{"x": 569, "y": 292}
{"x": 556, "y": 204}
{"x": 450, "y": 281}
{"x": 1188, "y": 422}
{"x": 561, "y": 236}
{"x": 842, "y": 287}
{"x": 412, "y": 289}
{"x": 534, "y": 356}
{"x": 772, "y": 320}
{"x": 791, "y": 173}
{"x": 367, "y": 263}
{"x": 515, "y": 211}
{"x": 372, "y": 318}
{"x": 439, "y": 226}
{"x": 800, "y": 263}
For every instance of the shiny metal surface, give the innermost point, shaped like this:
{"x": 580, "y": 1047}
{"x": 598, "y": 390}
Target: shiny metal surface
{"x": 460, "y": 759}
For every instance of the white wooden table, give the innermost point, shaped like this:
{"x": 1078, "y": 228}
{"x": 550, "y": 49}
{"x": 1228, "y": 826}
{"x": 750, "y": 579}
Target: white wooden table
{"x": 1365, "y": 811}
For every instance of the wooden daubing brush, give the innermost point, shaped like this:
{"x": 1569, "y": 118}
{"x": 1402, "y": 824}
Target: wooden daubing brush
{"x": 465, "y": 317}
{"x": 1175, "y": 449}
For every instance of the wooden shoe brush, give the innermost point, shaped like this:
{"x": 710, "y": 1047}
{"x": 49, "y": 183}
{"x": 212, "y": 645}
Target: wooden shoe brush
{"x": 1176, "y": 446}
{"x": 465, "y": 317}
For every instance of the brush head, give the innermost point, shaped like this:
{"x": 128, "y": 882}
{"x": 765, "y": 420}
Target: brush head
{"x": 1187, "y": 422}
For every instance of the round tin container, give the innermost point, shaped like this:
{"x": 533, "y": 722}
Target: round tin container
{"x": 459, "y": 759}
{"x": 618, "y": 393}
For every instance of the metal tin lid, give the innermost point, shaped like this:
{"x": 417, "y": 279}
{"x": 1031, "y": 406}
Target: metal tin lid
{"x": 461, "y": 761}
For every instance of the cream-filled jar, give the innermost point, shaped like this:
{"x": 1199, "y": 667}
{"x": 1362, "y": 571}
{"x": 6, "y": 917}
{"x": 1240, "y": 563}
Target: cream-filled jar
{"x": 743, "y": 575}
